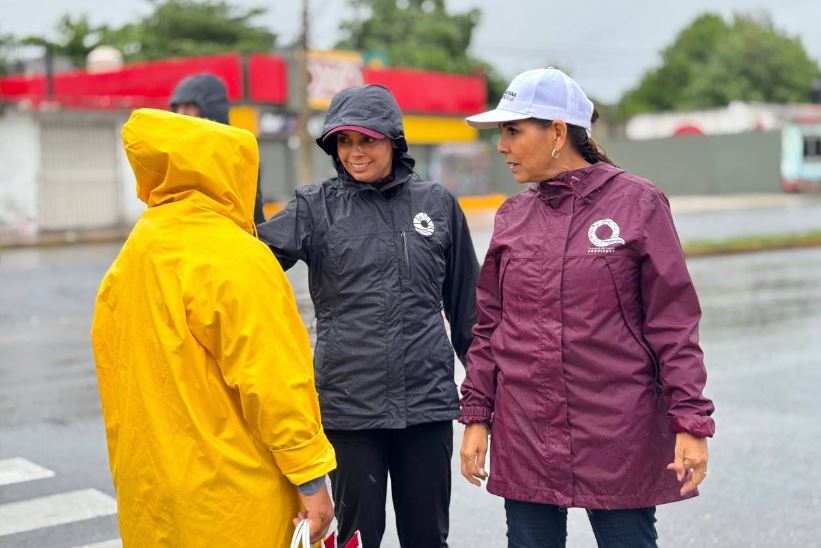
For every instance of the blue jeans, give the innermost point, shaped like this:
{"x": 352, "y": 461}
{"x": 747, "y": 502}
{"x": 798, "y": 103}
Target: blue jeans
{"x": 532, "y": 525}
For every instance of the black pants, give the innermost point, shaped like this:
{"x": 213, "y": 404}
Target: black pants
{"x": 418, "y": 461}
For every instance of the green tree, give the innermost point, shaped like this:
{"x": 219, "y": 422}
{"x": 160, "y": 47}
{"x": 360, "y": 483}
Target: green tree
{"x": 711, "y": 63}
{"x": 173, "y": 28}
{"x": 178, "y": 28}
{"x": 8, "y": 45}
{"x": 76, "y": 37}
{"x": 418, "y": 34}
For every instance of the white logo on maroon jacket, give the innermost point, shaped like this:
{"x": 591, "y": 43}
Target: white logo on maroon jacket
{"x": 614, "y": 233}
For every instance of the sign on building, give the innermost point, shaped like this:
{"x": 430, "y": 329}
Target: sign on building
{"x": 329, "y": 72}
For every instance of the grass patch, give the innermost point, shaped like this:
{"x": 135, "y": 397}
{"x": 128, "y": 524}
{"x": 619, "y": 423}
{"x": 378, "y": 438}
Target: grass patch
{"x": 746, "y": 244}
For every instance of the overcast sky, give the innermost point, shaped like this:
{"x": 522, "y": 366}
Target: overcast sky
{"x": 605, "y": 44}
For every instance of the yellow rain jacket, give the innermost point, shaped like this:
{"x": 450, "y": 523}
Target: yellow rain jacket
{"x": 204, "y": 365}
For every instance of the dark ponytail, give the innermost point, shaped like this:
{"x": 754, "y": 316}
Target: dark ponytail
{"x": 590, "y": 150}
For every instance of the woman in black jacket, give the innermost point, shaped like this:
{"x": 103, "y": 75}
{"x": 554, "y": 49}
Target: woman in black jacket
{"x": 386, "y": 253}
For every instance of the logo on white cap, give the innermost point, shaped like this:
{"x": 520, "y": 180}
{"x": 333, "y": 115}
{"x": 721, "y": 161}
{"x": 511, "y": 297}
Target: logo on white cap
{"x": 546, "y": 94}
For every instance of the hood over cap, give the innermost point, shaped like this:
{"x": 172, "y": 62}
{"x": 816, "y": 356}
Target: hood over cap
{"x": 372, "y": 107}
{"x": 176, "y": 157}
{"x": 207, "y": 92}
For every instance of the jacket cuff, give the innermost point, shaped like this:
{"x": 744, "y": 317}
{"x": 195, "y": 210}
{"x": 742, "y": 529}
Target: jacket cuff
{"x": 307, "y": 461}
{"x": 697, "y": 425}
{"x": 470, "y": 415}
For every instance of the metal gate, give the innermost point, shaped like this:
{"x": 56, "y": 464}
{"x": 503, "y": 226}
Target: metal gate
{"x": 79, "y": 182}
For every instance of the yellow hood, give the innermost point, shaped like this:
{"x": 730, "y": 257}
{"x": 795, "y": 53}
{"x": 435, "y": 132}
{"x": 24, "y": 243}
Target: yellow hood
{"x": 177, "y": 157}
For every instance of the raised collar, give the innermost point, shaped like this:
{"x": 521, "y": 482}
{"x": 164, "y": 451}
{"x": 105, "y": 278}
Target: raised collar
{"x": 581, "y": 182}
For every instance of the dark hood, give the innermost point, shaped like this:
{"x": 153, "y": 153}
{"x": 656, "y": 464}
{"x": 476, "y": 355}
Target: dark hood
{"x": 207, "y": 92}
{"x": 373, "y": 107}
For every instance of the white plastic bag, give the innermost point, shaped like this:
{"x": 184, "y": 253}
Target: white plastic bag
{"x": 302, "y": 538}
{"x": 302, "y": 535}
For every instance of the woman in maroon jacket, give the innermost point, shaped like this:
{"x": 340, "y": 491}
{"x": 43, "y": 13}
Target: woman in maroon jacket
{"x": 585, "y": 363}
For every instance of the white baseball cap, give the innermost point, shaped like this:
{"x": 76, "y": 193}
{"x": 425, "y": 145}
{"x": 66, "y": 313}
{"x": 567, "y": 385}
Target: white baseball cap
{"x": 547, "y": 94}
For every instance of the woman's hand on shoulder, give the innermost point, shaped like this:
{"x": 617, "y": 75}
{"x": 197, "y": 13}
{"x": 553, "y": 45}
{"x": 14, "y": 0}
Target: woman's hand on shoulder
{"x": 690, "y": 461}
{"x": 474, "y": 452}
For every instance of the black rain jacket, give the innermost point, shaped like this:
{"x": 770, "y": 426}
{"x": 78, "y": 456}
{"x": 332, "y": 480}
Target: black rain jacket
{"x": 384, "y": 261}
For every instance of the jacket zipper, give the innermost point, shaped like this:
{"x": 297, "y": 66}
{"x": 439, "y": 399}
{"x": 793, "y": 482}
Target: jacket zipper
{"x": 407, "y": 255}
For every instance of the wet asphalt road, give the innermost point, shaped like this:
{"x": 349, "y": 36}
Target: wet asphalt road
{"x": 760, "y": 333}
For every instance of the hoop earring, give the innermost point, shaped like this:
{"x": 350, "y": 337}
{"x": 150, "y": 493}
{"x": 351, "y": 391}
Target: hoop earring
{"x": 554, "y": 154}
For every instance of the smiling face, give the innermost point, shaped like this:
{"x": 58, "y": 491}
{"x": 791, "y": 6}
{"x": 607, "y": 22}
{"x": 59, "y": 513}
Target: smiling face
{"x": 366, "y": 159}
{"x": 526, "y": 146}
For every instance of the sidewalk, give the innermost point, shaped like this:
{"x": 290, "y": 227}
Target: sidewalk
{"x": 715, "y": 218}
{"x": 698, "y": 218}
{"x": 729, "y": 202}
{"x": 707, "y": 218}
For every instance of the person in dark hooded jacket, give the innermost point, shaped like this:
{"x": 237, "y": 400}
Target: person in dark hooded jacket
{"x": 387, "y": 252}
{"x": 585, "y": 363}
{"x": 204, "y": 96}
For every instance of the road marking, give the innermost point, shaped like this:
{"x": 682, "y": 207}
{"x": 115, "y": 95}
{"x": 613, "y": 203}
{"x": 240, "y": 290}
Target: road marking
{"x": 19, "y": 470}
{"x": 117, "y": 543}
{"x": 27, "y": 515}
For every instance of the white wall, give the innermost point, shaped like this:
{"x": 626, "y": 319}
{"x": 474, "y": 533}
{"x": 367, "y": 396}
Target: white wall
{"x": 19, "y": 169}
{"x": 737, "y": 117}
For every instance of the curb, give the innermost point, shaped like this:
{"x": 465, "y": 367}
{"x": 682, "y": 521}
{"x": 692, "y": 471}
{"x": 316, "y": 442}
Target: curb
{"x": 693, "y": 249}
{"x": 482, "y": 207}
{"x": 50, "y": 239}
{"x": 752, "y": 244}
{"x": 469, "y": 204}
{"x": 481, "y": 210}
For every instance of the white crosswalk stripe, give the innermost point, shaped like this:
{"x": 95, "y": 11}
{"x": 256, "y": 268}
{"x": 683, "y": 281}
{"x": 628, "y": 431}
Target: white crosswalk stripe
{"x": 27, "y": 515}
{"x": 19, "y": 470}
{"x": 105, "y": 544}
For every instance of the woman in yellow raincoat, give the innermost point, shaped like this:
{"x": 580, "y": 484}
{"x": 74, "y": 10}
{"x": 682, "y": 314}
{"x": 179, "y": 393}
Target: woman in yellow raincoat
{"x": 203, "y": 362}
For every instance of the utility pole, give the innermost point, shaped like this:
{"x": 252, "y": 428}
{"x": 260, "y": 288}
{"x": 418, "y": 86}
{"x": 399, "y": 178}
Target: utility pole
{"x": 49, "y": 71}
{"x": 305, "y": 149}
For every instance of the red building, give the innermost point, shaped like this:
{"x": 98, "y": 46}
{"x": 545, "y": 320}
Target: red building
{"x": 59, "y": 135}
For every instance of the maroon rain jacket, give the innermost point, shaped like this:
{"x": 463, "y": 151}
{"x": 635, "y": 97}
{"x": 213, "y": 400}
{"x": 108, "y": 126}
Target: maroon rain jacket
{"x": 585, "y": 354}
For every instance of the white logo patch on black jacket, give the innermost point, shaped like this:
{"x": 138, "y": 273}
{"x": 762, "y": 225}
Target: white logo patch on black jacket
{"x": 423, "y": 224}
